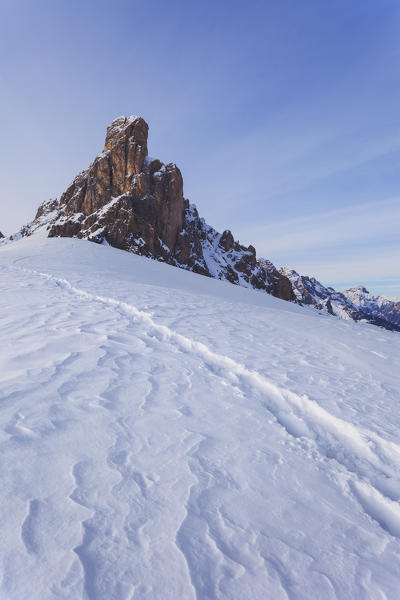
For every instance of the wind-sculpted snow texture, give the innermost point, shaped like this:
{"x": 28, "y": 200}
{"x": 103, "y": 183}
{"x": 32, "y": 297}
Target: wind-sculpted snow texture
{"x": 166, "y": 435}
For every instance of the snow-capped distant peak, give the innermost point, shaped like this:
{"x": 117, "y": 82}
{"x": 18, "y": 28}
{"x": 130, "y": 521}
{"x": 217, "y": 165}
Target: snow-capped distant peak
{"x": 361, "y": 297}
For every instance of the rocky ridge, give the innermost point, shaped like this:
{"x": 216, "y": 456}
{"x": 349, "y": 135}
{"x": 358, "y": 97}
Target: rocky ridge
{"x": 356, "y": 303}
{"x": 375, "y": 306}
{"x": 134, "y": 202}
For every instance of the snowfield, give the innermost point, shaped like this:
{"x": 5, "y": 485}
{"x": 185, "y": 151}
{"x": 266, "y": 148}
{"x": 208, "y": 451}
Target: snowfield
{"x": 167, "y": 436}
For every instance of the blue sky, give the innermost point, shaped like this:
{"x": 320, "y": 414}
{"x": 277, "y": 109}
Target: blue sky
{"x": 282, "y": 115}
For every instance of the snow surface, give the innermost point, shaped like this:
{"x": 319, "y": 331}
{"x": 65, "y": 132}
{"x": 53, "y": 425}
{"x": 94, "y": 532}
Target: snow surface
{"x": 164, "y": 435}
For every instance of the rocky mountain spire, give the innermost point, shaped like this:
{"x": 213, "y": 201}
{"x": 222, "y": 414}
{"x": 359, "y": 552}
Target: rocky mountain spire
{"x": 132, "y": 202}
{"x": 136, "y": 203}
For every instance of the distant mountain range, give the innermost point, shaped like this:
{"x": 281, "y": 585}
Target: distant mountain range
{"x": 355, "y": 303}
{"x": 133, "y": 202}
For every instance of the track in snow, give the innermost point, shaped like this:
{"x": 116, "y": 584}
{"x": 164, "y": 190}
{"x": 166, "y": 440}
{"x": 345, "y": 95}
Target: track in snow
{"x": 176, "y": 470}
{"x": 372, "y": 463}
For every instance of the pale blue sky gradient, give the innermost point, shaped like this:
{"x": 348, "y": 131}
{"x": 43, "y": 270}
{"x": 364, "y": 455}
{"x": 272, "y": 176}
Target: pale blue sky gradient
{"x": 282, "y": 115}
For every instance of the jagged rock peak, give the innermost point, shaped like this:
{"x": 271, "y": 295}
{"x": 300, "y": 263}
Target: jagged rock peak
{"x": 131, "y": 128}
{"x": 133, "y": 202}
{"x": 1, "y": 235}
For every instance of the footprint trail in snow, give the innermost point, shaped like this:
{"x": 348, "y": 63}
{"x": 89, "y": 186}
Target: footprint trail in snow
{"x": 143, "y": 457}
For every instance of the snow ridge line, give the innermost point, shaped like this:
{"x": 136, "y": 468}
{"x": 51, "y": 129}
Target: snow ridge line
{"x": 370, "y": 463}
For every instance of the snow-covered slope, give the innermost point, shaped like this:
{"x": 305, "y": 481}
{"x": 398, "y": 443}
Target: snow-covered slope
{"x": 164, "y": 435}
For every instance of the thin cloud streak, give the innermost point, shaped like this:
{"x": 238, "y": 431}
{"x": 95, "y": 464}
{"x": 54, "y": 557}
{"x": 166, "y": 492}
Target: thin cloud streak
{"x": 370, "y": 223}
{"x": 357, "y": 244}
{"x": 371, "y": 268}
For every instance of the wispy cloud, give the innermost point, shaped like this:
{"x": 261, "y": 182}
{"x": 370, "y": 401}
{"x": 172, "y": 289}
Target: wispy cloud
{"x": 374, "y": 223}
{"x": 355, "y": 245}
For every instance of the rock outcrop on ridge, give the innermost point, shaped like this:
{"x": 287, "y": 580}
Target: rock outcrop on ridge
{"x": 1, "y": 235}
{"x": 136, "y": 203}
{"x": 279, "y": 284}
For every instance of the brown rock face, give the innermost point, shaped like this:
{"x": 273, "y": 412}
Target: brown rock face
{"x": 127, "y": 128}
{"x": 136, "y": 203}
{"x": 329, "y": 307}
{"x": 124, "y": 198}
{"x": 278, "y": 284}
